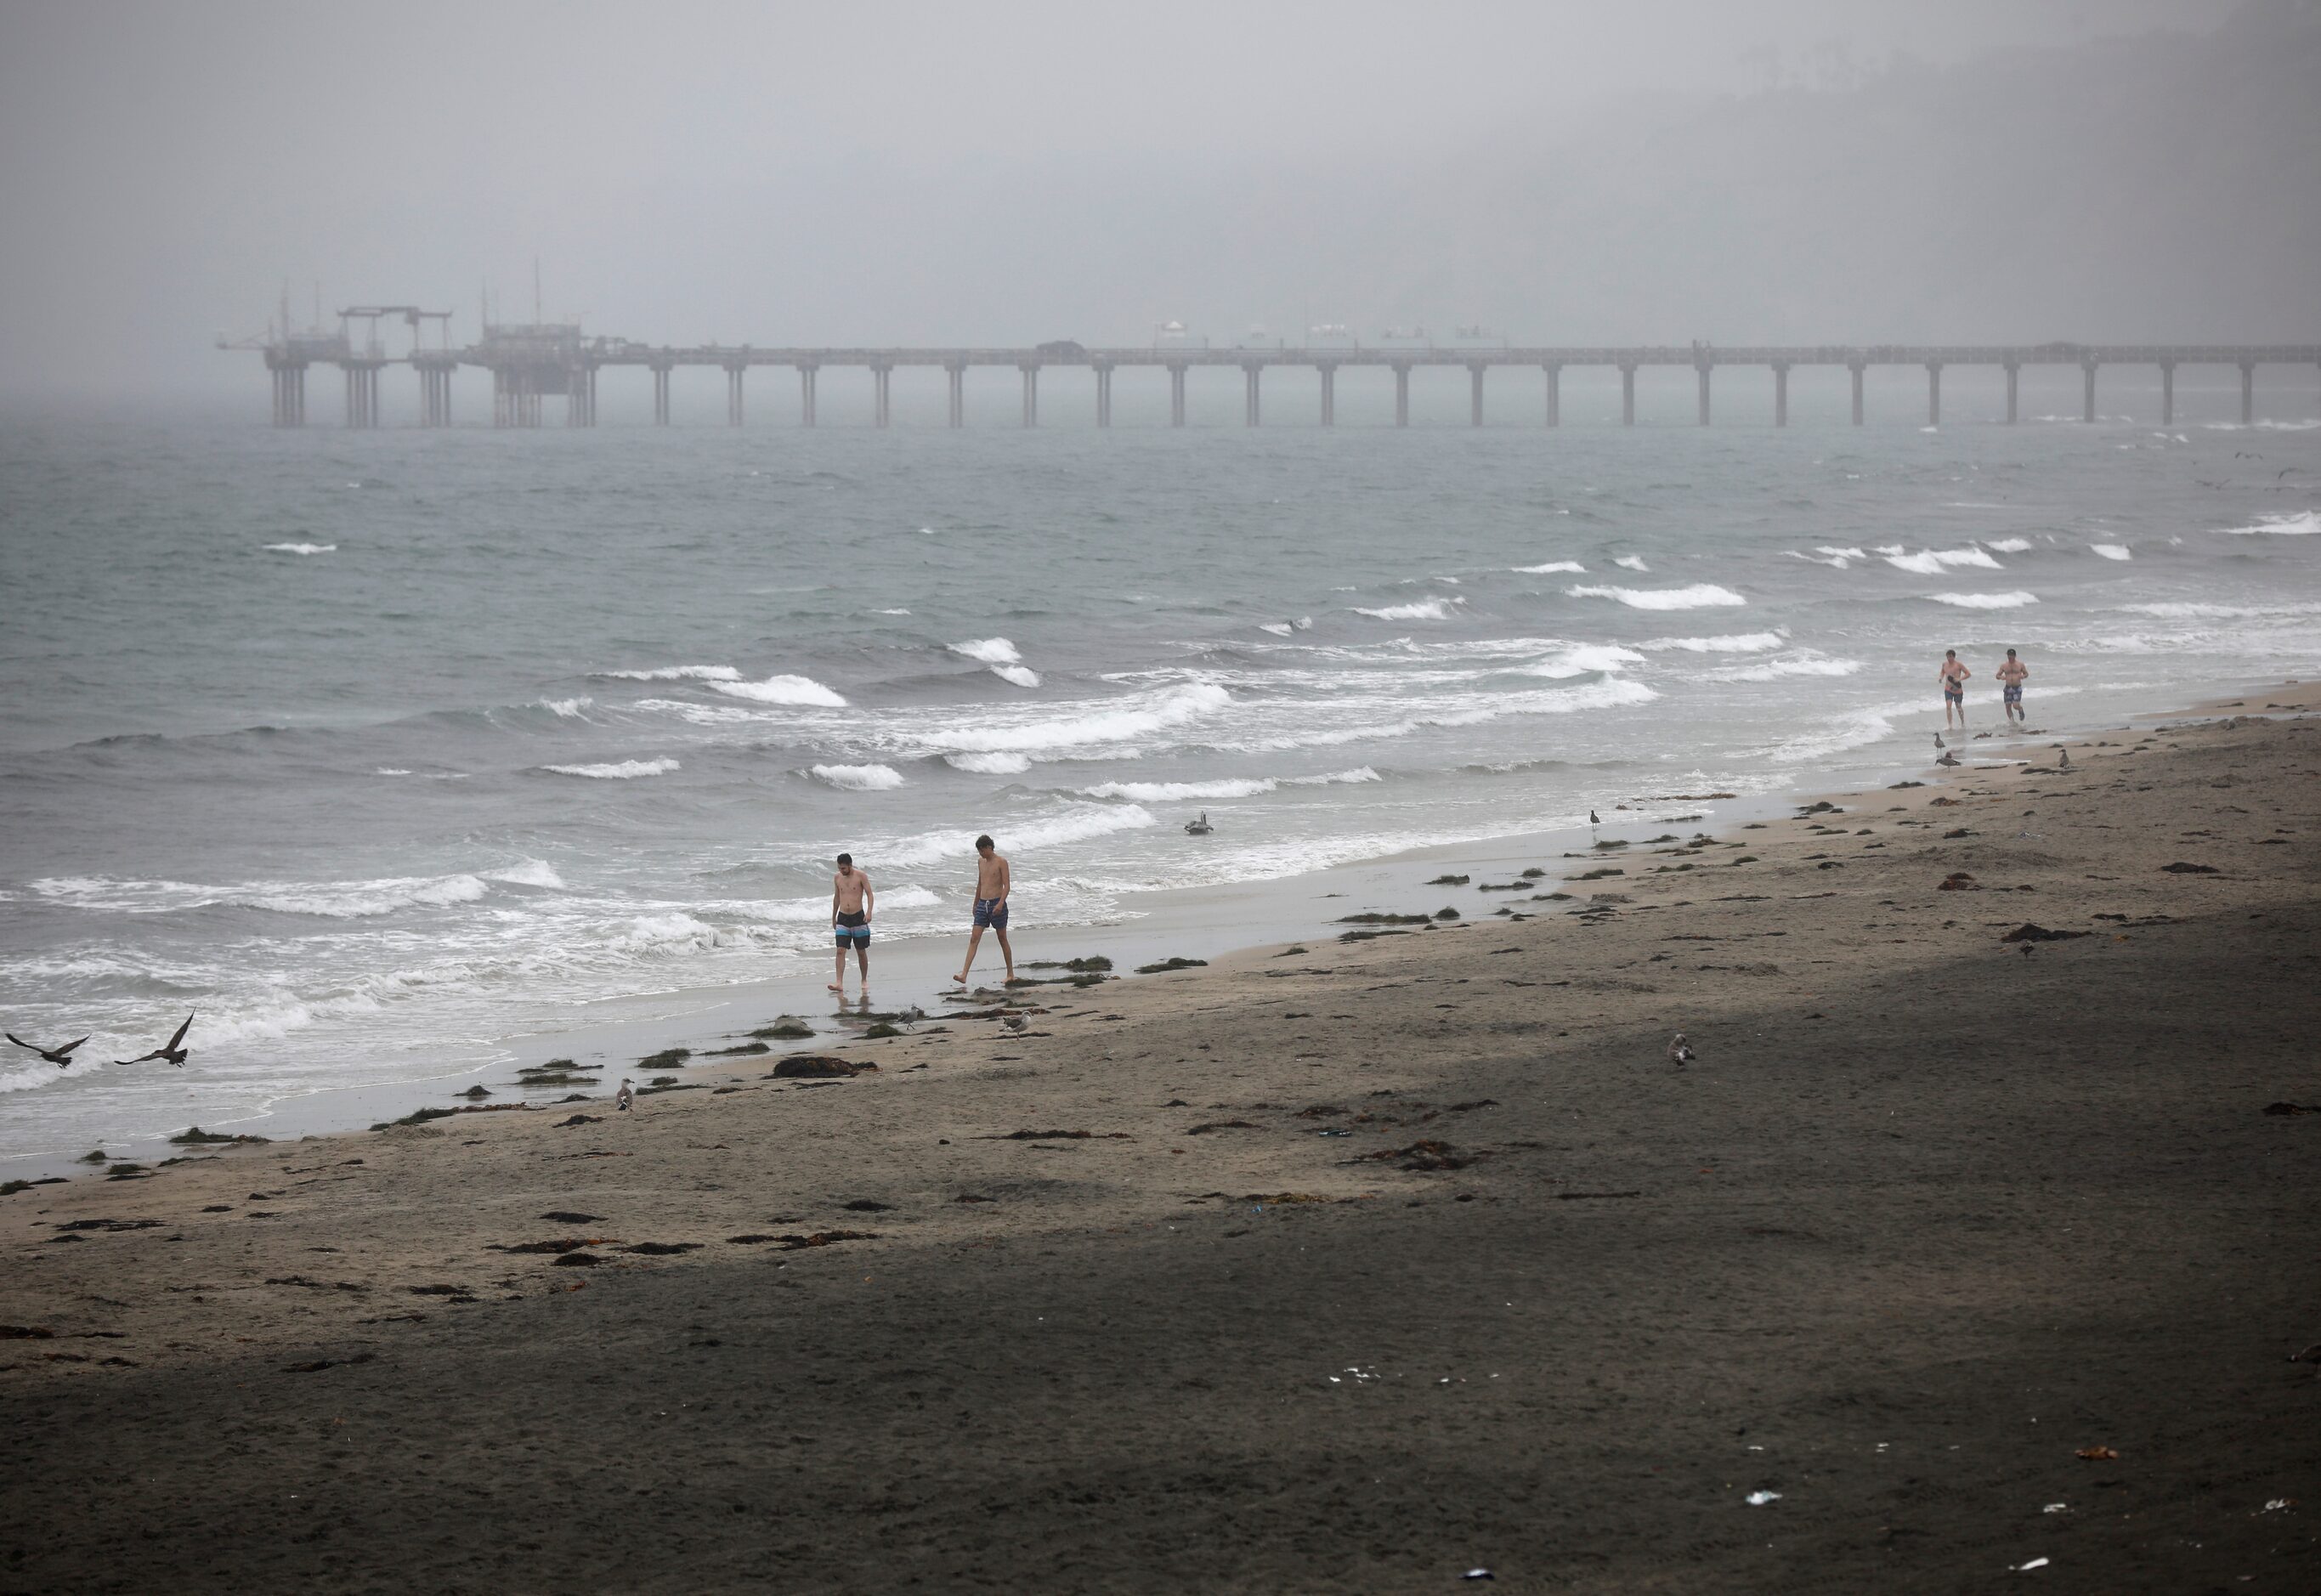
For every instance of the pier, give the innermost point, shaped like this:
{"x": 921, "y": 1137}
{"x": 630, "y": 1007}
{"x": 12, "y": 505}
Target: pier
{"x": 537, "y": 361}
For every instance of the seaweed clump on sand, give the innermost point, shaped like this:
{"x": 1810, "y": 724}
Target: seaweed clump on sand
{"x": 1165, "y": 965}
{"x": 1449, "y": 881}
{"x": 667, "y": 1058}
{"x": 193, "y": 1135}
{"x": 786, "y": 1027}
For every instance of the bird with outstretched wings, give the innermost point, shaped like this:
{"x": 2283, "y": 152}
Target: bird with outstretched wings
{"x": 59, "y": 1056}
{"x": 173, "y": 1050}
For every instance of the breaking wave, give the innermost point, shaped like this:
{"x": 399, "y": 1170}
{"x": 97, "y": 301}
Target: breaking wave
{"x": 2015, "y": 600}
{"x": 1698, "y": 595}
{"x": 800, "y": 690}
{"x": 859, "y": 777}
{"x": 627, "y": 769}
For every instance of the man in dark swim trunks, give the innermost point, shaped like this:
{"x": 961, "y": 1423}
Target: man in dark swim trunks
{"x": 2010, "y": 686}
{"x": 992, "y": 882}
{"x": 851, "y": 903}
{"x": 1953, "y": 677}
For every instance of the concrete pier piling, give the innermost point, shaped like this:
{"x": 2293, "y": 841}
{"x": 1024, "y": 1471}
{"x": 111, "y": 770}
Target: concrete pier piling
{"x": 528, "y": 361}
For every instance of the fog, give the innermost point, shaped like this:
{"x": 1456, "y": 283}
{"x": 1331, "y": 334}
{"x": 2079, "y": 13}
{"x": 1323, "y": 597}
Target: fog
{"x": 1777, "y": 169}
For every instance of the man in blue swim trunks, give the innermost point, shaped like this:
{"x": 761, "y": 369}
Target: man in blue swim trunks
{"x": 1953, "y": 677}
{"x": 850, "y": 902}
{"x": 992, "y": 885}
{"x": 2010, "y": 686}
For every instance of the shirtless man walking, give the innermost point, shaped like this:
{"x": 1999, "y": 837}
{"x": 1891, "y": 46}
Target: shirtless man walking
{"x": 992, "y": 884}
{"x": 2010, "y": 686}
{"x": 851, "y": 903}
{"x": 1953, "y": 677}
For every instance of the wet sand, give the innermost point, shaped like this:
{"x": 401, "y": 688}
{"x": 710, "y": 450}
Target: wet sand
{"x": 1924, "y": 1220}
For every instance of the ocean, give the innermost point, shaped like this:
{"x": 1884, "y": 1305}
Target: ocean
{"x": 380, "y": 750}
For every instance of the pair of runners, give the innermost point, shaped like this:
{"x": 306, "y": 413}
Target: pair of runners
{"x": 853, "y": 901}
{"x": 1952, "y": 679}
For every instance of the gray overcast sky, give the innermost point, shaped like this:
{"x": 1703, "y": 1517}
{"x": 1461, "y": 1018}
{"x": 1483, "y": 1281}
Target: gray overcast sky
{"x": 880, "y": 171}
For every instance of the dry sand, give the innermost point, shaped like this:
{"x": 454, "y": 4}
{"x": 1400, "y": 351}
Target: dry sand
{"x": 1925, "y": 1220}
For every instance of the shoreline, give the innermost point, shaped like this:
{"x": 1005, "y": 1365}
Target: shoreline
{"x": 1169, "y": 923}
{"x": 1973, "y": 1233}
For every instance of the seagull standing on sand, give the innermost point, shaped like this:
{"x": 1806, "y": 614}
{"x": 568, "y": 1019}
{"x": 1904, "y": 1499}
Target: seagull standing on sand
{"x": 1679, "y": 1050}
{"x": 625, "y": 1098}
{"x": 59, "y": 1056}
{"x": 173, "y": 1050}
{"x": 2065, "y": 762}
{"x": 1948, "y": 758}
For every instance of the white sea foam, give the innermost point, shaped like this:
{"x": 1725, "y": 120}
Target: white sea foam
{"x": 355, "y": 900}
{"x": 1930, "y": 562}
{"x": 1699, "y": 595}
{"x": 1731, "y": 643}
{"x": 894, "y": 612}
{"x": 2011, "y": 545}
{"x": 302, "y": 548}
{"x": 1278, "y": 628}
{"x": 2293, "y": 523}
{"x": 988, "y": 651}
{"x": 1608, "y": 693}
{"x": 1077, "y": 823}
{"x": 989, "y": 764}
{"x": 1835, "y": 558}
{"x": 800, "y": 690}
{"x": 2015, "y": 600}
{"x": 1424, "y": 609}
{"x": 1583, "y": 660}
{"x": 532, "y": 873}
{"x": 1778, "y": 669}
{"x": 1632, "y": 562}
{"x": 859, "y": 777}
{"x": 392, "y": 771}
{"x": 1162, "y": 792}
{"x": 2112, "y": 551}
{"x": 627, "y": 769}
{"x": 567, "y": 709}
{"x": 1090, "y": 725}
{"x": 1022, "y": 676}
{"x": 674, "y": 673}
{"x": 1551, "y": 568}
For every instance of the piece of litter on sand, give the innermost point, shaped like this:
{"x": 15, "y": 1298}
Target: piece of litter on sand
{"x": 2056, "y": 1507}
{"x": 1477, "y": 1574}
{"x": 1758, "y": 1498}
{"x": 2025, "y": 1567}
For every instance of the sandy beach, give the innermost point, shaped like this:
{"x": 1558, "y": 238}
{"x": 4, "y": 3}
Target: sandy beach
{"x": 1975, "y": 1236}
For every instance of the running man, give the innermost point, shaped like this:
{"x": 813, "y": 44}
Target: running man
{"x": 1953, "y": 677}
{"x": 992, "y": 885}
{"x": 2010, "y": 686}
{"x": 851, "y": 903}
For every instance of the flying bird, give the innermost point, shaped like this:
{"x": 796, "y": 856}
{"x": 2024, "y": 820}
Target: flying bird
{"x": 1679, "y": 1050}
{"x": 625, "y": 1098}
{"x": 59, "y": 1056}
{"x": 172, "y": 1050}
